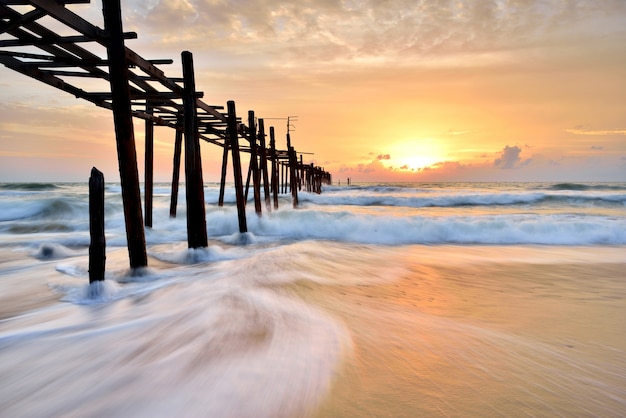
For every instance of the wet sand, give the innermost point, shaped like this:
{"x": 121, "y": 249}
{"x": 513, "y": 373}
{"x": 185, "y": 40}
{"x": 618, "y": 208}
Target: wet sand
{"x": 532, "y": 331}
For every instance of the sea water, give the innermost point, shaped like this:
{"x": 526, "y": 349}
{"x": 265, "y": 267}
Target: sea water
{"x": 450, "y": 299}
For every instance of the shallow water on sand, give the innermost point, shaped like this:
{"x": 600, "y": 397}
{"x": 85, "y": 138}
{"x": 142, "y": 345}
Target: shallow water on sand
{"x": 322, "y": 329}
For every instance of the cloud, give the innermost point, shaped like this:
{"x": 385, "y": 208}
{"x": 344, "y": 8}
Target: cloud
{"x": 455, "y": 132}
{"x": 509, "y": 157}
{"x": 383, "y": 157}
{"x": 579, "y": 130}
{"x": 351, "y": 31}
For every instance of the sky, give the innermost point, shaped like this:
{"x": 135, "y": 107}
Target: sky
{"x": 383, "y": 90}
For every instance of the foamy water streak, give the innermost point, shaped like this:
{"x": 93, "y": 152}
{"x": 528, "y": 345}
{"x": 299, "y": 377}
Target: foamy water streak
{"x": 206, "y": 342}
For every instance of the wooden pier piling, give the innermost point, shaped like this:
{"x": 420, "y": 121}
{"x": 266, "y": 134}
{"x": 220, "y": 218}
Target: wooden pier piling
{"x": 233, "y": 135}
{"x": 263, "y": 168}
{"x": 97, "y": 245}
{"x": 274, "y": 167}
{"x": 225, "y": 150}
{"x": 178, "y": 142}
{"x": 139, "y": 89}
{"x": 196, "y": 213}
{"x": 254, "y": 163}
{"x": 148, "y": 168}
{"x": 124, "y": 134}
{"x": 293, "y": 176}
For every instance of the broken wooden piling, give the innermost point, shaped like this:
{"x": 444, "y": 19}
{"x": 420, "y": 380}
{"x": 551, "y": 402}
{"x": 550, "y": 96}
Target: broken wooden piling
{"x": 97, "y": 243}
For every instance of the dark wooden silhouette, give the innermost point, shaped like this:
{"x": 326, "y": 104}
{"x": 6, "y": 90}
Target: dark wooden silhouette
{"x": 97, "y": 244}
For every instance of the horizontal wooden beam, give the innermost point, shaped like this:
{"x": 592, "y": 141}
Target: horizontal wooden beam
{"x": 59, "y": 40}
{"x": 27, "y": 2}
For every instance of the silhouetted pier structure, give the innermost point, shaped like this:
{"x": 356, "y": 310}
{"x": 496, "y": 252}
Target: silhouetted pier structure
{"x": 133, "y": 87}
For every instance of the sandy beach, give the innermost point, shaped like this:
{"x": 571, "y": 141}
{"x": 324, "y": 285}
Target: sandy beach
{"x": 504, "y": 331}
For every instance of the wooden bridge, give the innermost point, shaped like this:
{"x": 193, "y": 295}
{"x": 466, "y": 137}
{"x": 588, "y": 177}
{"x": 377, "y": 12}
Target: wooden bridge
{"x": 133, "y": 87}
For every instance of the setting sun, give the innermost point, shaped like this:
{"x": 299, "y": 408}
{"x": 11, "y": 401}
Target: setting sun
{"x": 415, "y": 154}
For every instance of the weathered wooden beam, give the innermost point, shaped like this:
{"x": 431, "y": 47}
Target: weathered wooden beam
{"x": 196, "y": 212}
{"x": 125, "y": 137}
{"x": 15, "y": 20}
{"x": 58, "y": 11}
{"x": 234, "y": 146}
{"x": 27, "y": 2}
{"x": 58, "y": 40}
{"x": 97, "y": 243}
{"x": 212, "y": 110}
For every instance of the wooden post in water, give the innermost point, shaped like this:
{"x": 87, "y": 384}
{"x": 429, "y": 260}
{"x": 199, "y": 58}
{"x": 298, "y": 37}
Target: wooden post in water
{"x": 293, "y": 177}
{"x": 283, "y": 189}
{"x": 301, "y": 167}
{"x": 220, "y": 201}
{"x": 178, "y": 142}
{"x": 196, "y": 213}
{"x": 234, "y": 146}
{"x": 263, "y": 153}
{"x": 97, "y": 245}
{"x": 124, "y": 134}
{"x": 245, "y": 193}
{"x": 149, "y": 167}
{"x": 254, "y": 163}
{"x": 274, "y": 167}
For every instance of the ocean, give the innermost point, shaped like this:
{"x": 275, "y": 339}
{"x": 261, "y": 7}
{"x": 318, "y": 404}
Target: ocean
{"x": 369, "y": 300}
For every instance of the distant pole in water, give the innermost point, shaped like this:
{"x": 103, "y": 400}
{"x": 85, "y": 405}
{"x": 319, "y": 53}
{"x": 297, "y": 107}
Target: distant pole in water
{"x": 97, "y": 245}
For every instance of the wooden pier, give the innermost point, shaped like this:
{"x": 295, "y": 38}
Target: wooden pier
{"x": 62, "y": 62}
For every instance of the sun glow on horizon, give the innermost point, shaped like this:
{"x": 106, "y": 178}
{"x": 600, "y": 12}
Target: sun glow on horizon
{"x": 415, "y": 154}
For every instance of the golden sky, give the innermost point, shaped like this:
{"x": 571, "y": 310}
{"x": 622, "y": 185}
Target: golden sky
{"x": 384, "y": 90}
